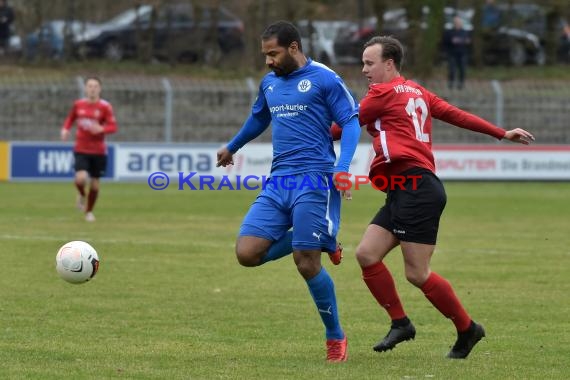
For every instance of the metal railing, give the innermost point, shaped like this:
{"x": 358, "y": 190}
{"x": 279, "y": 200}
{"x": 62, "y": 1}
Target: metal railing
{"x": 165, "y": 109}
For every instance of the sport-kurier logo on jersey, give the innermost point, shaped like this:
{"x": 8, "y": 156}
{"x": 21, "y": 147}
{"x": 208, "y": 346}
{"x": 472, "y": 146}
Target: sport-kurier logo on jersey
{"x": 304, "y": 85}
{"x": 288, "y": 110}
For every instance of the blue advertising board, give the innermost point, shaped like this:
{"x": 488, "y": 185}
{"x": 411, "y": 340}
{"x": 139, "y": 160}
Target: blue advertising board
{"x": 48, "y": 161}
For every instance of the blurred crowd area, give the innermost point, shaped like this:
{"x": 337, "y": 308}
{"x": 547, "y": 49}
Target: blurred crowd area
{"x": 213, "y": 31}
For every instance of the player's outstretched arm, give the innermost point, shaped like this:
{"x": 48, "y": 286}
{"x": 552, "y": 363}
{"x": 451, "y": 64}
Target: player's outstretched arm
{"x": 519, "y": 135}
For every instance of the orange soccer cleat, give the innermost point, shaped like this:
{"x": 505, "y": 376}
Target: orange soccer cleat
{"x": 337, "y": 350}
{"x": 336, "y": 256}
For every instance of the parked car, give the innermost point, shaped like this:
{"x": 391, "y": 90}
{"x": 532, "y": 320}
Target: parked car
{"x": 502, "y": 45}
{"x": 177, "y": 32}
{"x": 532, "y": 18}
{"x": 318, "y": 39}
{"x": 14, "y": 45}
{"x": 48, "y": 40}
{"x": 512, "y": 46}
{"x": 349, "y": 44}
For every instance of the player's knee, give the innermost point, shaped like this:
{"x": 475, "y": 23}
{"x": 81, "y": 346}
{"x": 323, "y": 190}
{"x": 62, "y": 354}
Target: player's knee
{"x": 308, "y": 266}
{"x": 94, "y": 186}
{"x": 246, "y": 257}
{"x": 81, "y": 180}
{"x": 365, "y": 256}
{"x": 417, "y": 277}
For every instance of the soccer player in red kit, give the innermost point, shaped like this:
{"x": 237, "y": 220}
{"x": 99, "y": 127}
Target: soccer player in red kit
{"x": 94, "y": 119}
{"x": 398, "y": 113}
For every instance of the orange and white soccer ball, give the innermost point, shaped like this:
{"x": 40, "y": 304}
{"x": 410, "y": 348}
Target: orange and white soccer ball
{"x": 77, "y": 262}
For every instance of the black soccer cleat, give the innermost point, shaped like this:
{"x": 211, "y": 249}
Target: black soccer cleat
{"x": 396, "y": 335}
{"x": 466, "y": 341}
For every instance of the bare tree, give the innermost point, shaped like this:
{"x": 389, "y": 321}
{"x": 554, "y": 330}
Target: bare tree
{"x": 424, "y": 35}
{"x": 213, "y": 53}
{"x": 414, "y": 40}
{"x": 379, "y": 7}
{"x": 256, "y": 12}
{"x": 145, "y": 37}
{"x": 67, "y": 30}
{"x": 554, "y": 29}
{"x": 478, "y": 32}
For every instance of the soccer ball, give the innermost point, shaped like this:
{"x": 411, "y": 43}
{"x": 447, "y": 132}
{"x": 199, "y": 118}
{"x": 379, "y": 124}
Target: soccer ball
{"x": 77, "y": 262}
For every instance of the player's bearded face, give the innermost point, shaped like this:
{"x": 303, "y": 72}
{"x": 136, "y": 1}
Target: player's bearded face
{"x": 285, "y": 66}
{"x": 278, "y": 58}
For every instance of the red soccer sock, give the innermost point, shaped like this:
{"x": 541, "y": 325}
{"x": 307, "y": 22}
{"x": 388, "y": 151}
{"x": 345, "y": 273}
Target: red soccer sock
{"x": 80, "y": 188}
{"x": 440, "y": 293}
{"x": 381, "y": 284}
{"x": 91, "y": 199}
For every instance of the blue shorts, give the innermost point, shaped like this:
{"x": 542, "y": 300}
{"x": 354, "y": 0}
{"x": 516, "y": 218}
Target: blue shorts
{"x": 309, "y": 203}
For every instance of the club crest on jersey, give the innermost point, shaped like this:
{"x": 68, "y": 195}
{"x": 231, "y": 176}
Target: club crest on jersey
{"x": 304, "y": 85}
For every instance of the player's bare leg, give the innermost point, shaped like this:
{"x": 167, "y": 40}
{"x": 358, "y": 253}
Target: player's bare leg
{"x": 322, "y": 290}
{"x": 80, "y": 181}
{"x": 253, "y": 251}
{"x": 250, "y": 250}
{"x": 376, "y": 243}
{"x": 440, "y": 293}
{"x": 91, "y": 199}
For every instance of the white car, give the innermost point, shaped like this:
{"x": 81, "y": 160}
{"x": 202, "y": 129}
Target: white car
{"x": 319, "y": 45}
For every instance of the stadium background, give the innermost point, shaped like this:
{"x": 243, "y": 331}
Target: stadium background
{"x": 170, "y": 301}
{"x": 172, "y": 102}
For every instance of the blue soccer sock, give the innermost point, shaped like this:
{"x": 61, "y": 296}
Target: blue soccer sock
{"x": 322, "y": 290}
{"x": 280, "y": 248}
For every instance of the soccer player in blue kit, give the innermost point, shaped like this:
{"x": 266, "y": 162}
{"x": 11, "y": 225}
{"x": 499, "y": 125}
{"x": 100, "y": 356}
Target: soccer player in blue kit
{"x": 300, "y": 98}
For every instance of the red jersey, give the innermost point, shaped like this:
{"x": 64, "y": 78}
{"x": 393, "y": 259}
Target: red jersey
{"x": 86, "y": 113}
{"x": 398, "y": 116}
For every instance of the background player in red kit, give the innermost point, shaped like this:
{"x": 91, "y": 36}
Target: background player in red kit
{"x": 94, "y": 119}
{"x": 397, "y": 113}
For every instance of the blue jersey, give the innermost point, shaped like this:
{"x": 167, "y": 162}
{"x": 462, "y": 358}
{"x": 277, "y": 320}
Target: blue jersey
{"x": 301, "y": 107}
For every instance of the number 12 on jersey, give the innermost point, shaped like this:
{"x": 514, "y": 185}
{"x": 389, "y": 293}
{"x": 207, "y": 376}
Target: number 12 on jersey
{"x": 419, "y": 122}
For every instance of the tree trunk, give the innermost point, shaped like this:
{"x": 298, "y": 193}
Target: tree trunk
{"x": 477, "y": 34}
{"x": 212, "y": 54}
{"x": 413, "y": 35}
{"x": 553, "y": 32}
{"x": 379, "y": 8}
{"x": 424, "y": 36}
{"x": 145, "y": 36}
{"x": 68, "y": 32}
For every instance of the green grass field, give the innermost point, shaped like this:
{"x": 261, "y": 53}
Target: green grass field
{"x": 171, "y": 302}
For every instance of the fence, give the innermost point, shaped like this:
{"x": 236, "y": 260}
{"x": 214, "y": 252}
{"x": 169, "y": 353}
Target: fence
{"x": 171, "y": 109}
